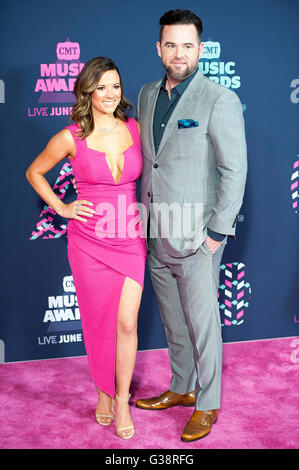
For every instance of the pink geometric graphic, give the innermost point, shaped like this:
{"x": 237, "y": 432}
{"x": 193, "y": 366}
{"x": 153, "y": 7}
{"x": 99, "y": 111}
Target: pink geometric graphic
{"x": 294, "y": 186}
{"x": 45, "y": 227}
{"x": 233, "y": 294}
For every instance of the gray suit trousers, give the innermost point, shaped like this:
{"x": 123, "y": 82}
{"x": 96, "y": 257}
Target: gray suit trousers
{"x": 186, "y": 290}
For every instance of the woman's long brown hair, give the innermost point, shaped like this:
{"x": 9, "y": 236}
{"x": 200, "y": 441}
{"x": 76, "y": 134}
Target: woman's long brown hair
{"x": 86, "y": 83}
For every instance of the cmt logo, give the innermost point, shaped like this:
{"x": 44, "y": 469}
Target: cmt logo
{"x": 62, "y": 315}
{"x": 68, "y": 50}
{"x": 211, "y": 50}
{"x": 234, "y": 293}
{"x": 62, "y": 311}
{"x": 2, "y": 92}
{"x": 68, "y": 284}
{"x": 216, "y": 69}
{"x": 56, "y": 82}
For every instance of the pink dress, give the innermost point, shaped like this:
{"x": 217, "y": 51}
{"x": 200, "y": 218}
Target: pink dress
{"x": 106, "y": 249}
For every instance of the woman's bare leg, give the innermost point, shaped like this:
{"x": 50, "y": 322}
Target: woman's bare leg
{"x": 126, "y": 349}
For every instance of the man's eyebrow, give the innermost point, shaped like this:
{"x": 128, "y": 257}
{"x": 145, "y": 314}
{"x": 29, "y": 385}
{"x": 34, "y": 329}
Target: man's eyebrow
{"x": 167, "y": 43}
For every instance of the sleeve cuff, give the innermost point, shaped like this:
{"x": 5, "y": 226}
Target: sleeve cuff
{"x": 219, "y": 237}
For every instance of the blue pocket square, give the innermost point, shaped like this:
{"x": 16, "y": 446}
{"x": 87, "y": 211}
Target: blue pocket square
{"x": 186, "y": 123}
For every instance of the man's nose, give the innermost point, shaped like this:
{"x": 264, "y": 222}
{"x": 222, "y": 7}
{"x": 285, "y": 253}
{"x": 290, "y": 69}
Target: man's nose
{"x": 179, "y": 51}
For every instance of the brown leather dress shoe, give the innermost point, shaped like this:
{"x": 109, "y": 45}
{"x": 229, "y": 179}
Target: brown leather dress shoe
{"x": 167, "y": 400}
{"x": 200, "y": 425}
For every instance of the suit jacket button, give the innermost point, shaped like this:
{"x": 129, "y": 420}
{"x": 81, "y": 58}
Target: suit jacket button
{"x": 155, "y": 165}
{"x": 149, "y": 194}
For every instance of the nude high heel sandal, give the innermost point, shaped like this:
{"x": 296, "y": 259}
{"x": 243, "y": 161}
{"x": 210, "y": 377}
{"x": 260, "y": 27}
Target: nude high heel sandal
{"x": 100, "y": 416}
{"x": 126, "y": 428}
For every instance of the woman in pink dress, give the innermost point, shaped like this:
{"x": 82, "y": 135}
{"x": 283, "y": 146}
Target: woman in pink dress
{"x": 106, "y": 244}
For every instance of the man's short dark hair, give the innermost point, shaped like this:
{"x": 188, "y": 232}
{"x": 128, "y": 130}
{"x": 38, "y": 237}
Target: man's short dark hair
{"x": 172, "y": 17}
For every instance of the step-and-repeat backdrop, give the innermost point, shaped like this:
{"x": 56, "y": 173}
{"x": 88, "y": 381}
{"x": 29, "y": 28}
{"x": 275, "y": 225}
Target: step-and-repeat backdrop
{"x": 251, "y": 48}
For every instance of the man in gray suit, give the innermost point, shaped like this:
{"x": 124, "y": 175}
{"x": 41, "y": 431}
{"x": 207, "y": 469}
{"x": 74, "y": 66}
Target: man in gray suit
{"x": 194, "y": 158}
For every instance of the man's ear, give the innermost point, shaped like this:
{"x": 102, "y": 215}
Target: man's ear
{"x": 201, "y": 48}
{"x": 158, "y": 48}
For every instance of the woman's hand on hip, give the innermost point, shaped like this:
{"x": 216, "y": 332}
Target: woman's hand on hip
{"x": 77, "y": 209}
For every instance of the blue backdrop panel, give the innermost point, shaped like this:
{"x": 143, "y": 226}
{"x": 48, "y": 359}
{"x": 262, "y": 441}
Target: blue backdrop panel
{"x": 250, "y": 47}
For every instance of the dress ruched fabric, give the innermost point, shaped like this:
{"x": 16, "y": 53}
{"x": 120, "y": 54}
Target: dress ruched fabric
{"x": 105, "y": 249}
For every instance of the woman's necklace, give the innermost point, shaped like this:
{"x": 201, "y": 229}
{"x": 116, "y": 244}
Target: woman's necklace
{"x": 104, "y": 129}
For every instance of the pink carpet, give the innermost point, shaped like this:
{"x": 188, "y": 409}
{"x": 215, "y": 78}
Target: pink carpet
{"x": 50, "y": 404}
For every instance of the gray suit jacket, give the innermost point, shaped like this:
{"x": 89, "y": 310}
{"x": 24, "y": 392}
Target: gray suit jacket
{"x": 202, "y": 169}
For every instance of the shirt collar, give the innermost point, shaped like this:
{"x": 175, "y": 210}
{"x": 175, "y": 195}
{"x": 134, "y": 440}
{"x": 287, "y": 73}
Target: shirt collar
{"x": 181, "y": 87}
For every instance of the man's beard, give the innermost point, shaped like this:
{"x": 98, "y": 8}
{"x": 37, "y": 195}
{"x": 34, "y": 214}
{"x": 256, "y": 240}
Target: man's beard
{"x": 180, "y": 75}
